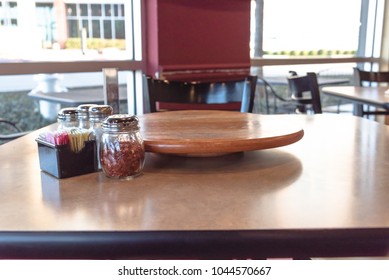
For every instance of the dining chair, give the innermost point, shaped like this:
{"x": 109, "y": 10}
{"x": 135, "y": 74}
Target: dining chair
{"x": 231, "y": 95}
{"x": 371, "y": 78}
{"x": 12, "y": 131}
{"x": 305, "y": 92}
{"x": 274, "y": 102}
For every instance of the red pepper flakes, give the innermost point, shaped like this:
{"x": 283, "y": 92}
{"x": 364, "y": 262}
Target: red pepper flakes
{"x": 122, "y": 159}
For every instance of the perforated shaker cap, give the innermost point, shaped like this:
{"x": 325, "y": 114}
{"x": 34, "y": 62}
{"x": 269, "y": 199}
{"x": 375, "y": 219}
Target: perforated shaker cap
{"x": 67, "y": 114}
{"x": 100, "y": 112}
{"x": 120, "y": 122}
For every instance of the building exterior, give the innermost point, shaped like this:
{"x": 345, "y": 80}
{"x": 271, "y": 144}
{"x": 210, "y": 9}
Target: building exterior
{"x": 61, "y": 24}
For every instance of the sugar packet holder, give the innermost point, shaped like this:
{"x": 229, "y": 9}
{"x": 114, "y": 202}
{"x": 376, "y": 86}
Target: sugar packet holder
{"x": 61, "y": 161}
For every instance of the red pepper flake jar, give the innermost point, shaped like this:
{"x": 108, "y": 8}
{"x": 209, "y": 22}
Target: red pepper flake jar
{"x": 122, "y": 152}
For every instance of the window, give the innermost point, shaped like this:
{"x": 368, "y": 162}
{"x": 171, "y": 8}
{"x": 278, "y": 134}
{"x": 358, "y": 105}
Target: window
{"x": 96, "y": 10}
{"x": 108, "y": 29}
{"x": 73, "y": 28}
{"x": 306, "y": 28}
{"x": 8, "y": 13}
{"x": 72, "y": 10}
{"x": 119, "y": 29}
{"x": 46, "y": 24}
{"x": 47, "y": 39}
{"x": 102, "y": 27}
{"x": 102, "y": 21}
{"x": 96, "y": 28}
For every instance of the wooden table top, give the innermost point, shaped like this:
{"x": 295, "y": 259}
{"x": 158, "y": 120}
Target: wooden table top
{"x": 202, "y": 133}
{"x": 374, "y": 96}
{"x": 325, "y": 195}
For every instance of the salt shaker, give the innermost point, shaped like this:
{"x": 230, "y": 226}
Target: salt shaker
{"x": 67, "y": 117}
{"x": 96, "y": 116}
{"x": 83, "y": 115}
{"x": 122, "y": 152}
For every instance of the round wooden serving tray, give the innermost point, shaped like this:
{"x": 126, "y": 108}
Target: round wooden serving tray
{"x": 209, "y": 133}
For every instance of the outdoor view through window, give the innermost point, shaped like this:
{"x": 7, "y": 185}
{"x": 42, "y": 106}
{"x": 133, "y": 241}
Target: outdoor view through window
{"x": 308, "y": 28}
{"x": 106, "y": 29}
{"x": 61, "y": 46}
{"x": 68, "y": 30}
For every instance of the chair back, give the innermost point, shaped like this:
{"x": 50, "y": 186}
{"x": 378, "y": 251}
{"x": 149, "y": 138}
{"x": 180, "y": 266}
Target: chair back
{"x": 232, "y": 95}
{"x": 369, "y": 78}
{"x": 11, "y": 131}
{"x": 298, "y": 85}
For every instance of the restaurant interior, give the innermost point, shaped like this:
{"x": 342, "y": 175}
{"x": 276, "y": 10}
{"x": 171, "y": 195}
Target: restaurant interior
{"x": 201, "y": 139}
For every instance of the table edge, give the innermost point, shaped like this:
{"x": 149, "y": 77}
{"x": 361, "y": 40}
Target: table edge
{"x": 195, "y": 244}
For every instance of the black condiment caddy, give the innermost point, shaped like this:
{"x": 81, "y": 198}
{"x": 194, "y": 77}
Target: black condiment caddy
{"x": 61, "y": 162}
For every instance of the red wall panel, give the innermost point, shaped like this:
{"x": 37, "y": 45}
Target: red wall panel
{"x": 198, "y": 35}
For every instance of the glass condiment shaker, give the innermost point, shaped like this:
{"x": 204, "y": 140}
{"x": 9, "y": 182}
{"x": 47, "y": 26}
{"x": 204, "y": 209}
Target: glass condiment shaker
{"x": 83, "y": 115}
{"x": 122, "y": 152}
{"x": 67, "y": 117}
{"x": 96, "y": 116}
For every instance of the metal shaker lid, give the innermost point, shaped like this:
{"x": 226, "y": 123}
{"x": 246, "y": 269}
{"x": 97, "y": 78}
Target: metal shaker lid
{"x": 67, "y": 114}
{"x": 100, "y": 111}
{"x": 83, "y": 110}
{"x": 120, "y": 122}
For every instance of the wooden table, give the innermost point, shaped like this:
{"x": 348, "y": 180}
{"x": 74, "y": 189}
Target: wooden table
{"x": 324, "y": 196}
{"x": 373, "y": 96}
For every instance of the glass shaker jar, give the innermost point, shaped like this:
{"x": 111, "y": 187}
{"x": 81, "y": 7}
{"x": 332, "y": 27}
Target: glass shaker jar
{"x": 122, "y": 152}
{"x": 67, "y": 117}
{"x": 83, "y": 115}
{"x": 96, "y": 116}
